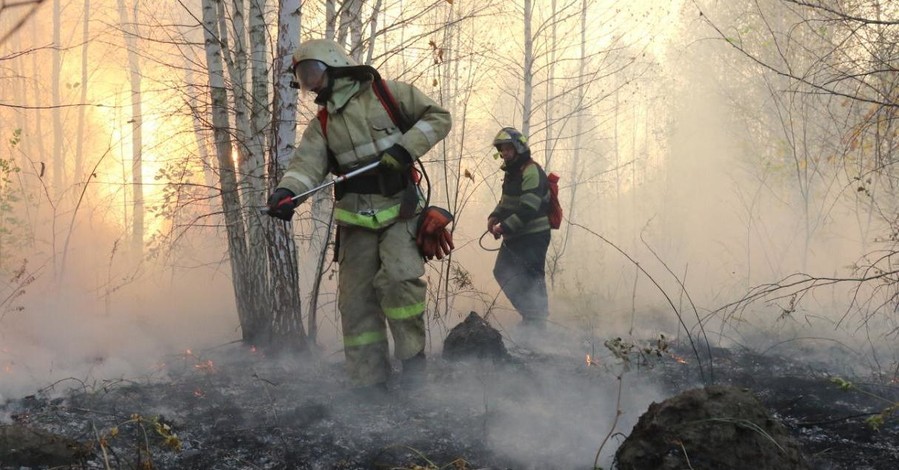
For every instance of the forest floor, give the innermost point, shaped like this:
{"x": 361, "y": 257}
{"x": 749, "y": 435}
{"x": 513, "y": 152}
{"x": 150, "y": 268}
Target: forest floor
{"x": 545, "y": 406}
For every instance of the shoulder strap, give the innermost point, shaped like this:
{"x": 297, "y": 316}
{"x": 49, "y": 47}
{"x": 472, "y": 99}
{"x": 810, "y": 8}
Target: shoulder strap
{"x": 379, "y": 86}
{"x": 323, "y": 119}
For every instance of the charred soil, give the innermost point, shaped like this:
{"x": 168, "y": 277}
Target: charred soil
{"x": 535, "y": 408}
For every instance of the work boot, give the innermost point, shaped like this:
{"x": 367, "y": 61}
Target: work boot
{"x": 415, "y": 370}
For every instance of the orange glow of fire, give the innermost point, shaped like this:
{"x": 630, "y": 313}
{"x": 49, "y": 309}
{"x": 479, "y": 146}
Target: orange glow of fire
{"x": 678, "y": 359}
{"x": 206, "y": 366}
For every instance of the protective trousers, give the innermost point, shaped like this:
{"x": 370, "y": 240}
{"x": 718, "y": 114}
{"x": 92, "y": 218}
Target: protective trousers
{"x": 380, "y": 284}
{"x": 521, "y": 273}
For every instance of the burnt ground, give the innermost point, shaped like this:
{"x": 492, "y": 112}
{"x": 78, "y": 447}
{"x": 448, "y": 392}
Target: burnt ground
{"x": 541, "y": 407}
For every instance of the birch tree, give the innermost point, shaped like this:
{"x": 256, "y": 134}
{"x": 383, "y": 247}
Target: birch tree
{"x": 251, "y": 316}
{"x": 286, "y": 301}
{"x": 129, "y": 31}
{"x": 831, "y": 75}
{"x": 85, "y": 42}
{"x": 56, "y": 83}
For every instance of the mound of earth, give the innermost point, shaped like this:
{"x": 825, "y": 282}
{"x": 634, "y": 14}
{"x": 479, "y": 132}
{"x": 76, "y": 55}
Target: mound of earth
{"x": 712, "y": 427}
{"x": 33, "y": 447}
{"x": 474, "y": 338}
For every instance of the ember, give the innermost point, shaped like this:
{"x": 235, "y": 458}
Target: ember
{"x": 678, "y": 359}
{"x": 206, "y": 366}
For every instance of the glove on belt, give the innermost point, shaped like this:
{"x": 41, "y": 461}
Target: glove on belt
{"x": 433, "y": 239}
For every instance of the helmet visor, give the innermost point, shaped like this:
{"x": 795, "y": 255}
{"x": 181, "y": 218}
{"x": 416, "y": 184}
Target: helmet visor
{"x": 310, "y": 74}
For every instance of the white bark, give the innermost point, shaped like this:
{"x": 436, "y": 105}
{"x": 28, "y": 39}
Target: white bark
{"x": 79, "y": 136}
{"x": 249, "y": 301}
{"x": 56, "y": 81}
{"x": 286, "y": 310}
{"x": 330, "y": 19}
{"x": 528, "y": 73}
{"x": 129, "y": 30}
{"x": 551, "y": 138}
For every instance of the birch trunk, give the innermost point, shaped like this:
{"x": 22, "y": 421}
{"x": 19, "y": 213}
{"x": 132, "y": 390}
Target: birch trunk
{"x": 79, "y": 143}
{"x": 351, "y": 23}
{"x": 129, "y": 31}
{"x": 550, "y": 87}
{"x": 527, "y": 101}
{"x": 286, "y": 312}
{"x": 227, "y": 176}
{"x": 578, "y": 125}
{"x": 56, "y": 78}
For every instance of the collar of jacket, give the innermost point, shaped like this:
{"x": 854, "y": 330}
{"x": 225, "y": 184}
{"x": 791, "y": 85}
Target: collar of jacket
{"x": 516, "y": 164}
{"x": 344, "y": 89}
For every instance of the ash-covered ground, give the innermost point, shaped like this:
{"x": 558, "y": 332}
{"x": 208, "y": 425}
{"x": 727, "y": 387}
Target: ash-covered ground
{"x": 545, "y": 406}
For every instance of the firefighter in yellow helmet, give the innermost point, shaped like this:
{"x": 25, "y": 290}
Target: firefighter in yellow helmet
{"x": 381, "y": 269}
{"x": 521, "y": 220}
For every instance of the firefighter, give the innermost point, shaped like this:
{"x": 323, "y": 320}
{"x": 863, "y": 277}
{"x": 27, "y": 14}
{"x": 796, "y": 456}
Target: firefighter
{"x": 381, "y": 269}
{"x": 521, "y": 220}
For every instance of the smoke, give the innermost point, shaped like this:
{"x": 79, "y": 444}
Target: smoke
{"x": 546, "y": 408}
{"x": 73, "y": 337}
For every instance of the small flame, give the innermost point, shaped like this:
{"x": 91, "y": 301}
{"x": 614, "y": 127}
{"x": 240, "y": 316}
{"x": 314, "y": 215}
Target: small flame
{"x": 678, "y": 359}
{"x": 206, "y": 366}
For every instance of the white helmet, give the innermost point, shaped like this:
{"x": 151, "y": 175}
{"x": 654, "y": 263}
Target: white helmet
{"x": 313, "y": 57}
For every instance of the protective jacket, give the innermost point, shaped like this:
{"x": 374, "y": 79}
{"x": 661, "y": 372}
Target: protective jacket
{"x": 358, "y": 131}
{"x": 524, "y": 204}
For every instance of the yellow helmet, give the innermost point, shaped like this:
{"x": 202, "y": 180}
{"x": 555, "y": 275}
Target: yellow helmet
{"x": 325, "y": 51}
{"x": 510, "y": 135}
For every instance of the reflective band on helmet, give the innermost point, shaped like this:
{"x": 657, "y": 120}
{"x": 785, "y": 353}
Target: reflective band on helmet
{"x": 364, "y": 339}
{"x": 402, "y": 313}
{"x": 376, "y": 220}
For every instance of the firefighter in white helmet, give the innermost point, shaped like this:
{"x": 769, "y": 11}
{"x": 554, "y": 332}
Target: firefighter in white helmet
{"x": 520, "y": 218}
{"x": 381, "y": 268}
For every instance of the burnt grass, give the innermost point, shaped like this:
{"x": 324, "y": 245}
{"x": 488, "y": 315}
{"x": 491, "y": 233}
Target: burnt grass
{"x": 232, "y": 407}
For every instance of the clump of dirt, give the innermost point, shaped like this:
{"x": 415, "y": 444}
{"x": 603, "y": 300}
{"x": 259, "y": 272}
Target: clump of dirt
{"x": 713, "y": 427}
{"x": 474, "y": 338}
{"x": 33, "y": 447}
